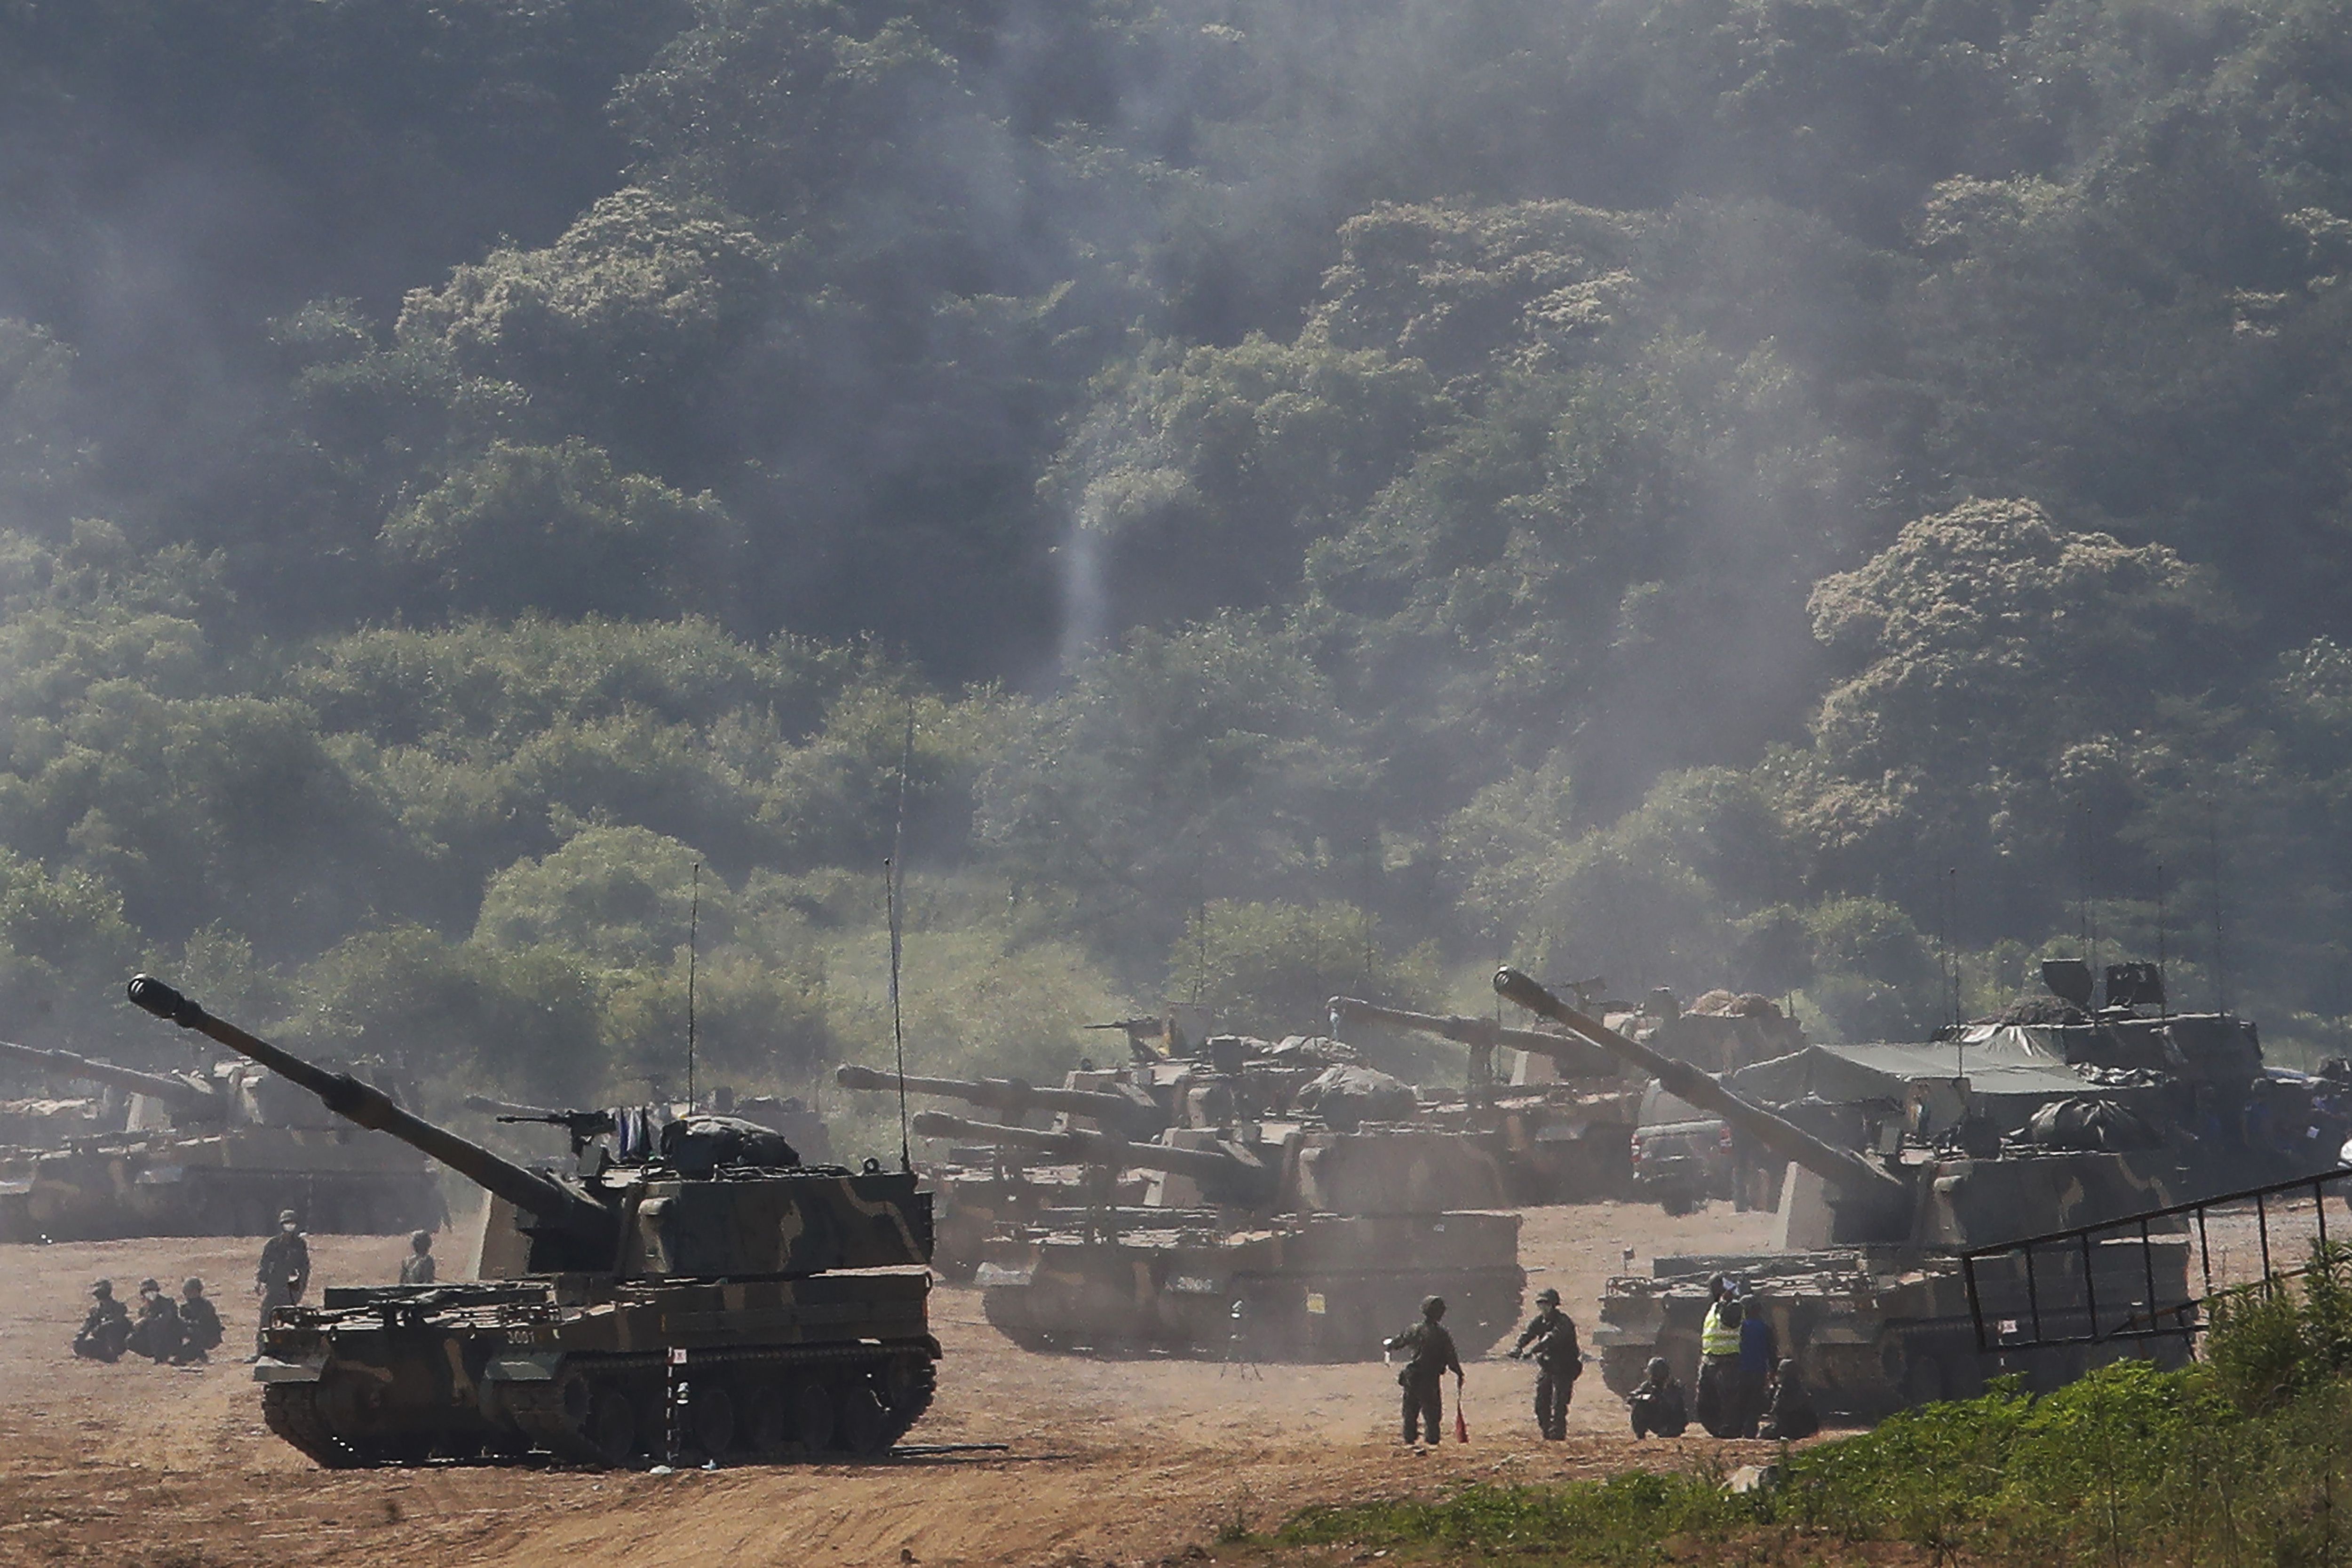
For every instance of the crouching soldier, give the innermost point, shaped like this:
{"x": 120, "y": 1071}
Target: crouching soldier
{"x": 1659, "y": 1409}
{"x": 107, "y": 1328}
{"x": 200, "y": 1324}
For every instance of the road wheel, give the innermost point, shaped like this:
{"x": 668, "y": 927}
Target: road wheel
{"x": 864, "y": 1425}
{"x": 713, "y": 1422}
{"x": 813, "y": 1421}
{"x": 612, "y": 1426}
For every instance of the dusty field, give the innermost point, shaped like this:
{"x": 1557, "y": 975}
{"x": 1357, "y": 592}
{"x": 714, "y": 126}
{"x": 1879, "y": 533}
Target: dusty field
{"x": 1110, "y": 1463}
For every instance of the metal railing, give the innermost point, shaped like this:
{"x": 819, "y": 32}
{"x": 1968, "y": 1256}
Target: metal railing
{"x": 2045, "y": 1290}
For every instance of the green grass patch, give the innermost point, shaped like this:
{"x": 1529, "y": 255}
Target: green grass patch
{"x": 2244, "y": 1459}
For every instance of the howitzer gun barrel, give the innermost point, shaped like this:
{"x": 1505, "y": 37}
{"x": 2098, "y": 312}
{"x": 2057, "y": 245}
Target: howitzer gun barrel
{"x": 1574, "y": 1058}
{"x": 549, "y": 1201}
{"x": 1225, "y": 1164}
{"x": 1000, "y": 1093}
{"x": 1851, "y": 1175}
{"x": 175, "y": 1091}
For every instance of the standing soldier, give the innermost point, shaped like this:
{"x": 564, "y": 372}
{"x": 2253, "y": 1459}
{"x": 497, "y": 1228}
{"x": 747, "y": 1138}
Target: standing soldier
{"x": 284, "y": 1273}
{"x": 1560, "y": 1362}
{"x": 157, "y": 1334}
{"x": 1423, "y": 1376}
{"x": 1760, "y": 1352}
{"x": 418, "y": 1267}
{"x": 1719, "y": 1402}
{"x": 106, "y": 1329}
{"x": 200, "y": 1324}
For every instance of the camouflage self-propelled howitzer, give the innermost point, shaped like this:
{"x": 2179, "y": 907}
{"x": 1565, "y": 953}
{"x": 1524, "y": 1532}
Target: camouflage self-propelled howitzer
{"x": 1561, "y": 1143}
{"x": 791, "y": 1302}
{"x": 216, "y": 1153}
{"x": 980, "y": 1188}
{"x": 1302, "y": 1244}
{"x": 1869, "y": 1296}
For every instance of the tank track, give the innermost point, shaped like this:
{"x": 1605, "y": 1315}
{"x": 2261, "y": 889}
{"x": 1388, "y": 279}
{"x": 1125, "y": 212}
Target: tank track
{"x": 538, "y": 1410}
{"x": 291, "y": 1410}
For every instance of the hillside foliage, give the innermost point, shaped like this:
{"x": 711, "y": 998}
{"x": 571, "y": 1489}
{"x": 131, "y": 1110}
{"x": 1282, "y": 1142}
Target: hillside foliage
{"x": 1318, "y": 498}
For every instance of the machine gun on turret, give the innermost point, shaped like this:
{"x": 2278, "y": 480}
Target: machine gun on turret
{"x": 583, "y": 1127}
{"x": 1123, "y": 1110}
{"x": 189, "y": 1098}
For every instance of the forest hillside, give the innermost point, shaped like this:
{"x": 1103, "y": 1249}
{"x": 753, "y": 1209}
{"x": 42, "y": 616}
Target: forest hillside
{"x": 1839, "y": 498}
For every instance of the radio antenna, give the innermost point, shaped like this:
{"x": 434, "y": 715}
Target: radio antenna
{"x": 2221, "y": 949}
{"x": 891, "y": 876}
{"x": 693, "y": 936}
{"x": 2164, "y": 997}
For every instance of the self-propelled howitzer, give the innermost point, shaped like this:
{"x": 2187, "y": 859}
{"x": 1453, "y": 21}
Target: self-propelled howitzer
{"x": 1133, "y": 1115}
{"x": 1299, "y": 1243}
{"x": 188, "y": 1098}
{"x": 1563, "y": 1141}
{"x": 1867, "y": 1293}
{"x": 790, "y": 1302}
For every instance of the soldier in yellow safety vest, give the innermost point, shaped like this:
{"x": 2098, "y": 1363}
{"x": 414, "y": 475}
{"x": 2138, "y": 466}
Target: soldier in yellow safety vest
{"x": 1719, "y": 1402}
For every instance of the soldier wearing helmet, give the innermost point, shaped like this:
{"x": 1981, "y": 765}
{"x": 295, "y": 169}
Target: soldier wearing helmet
{"x": 285, "y": 1272}
{"x": 107, "y": 1327}
{"x": 200, "y": 1324}
{"x": 1560, "y": 1362}
{"x": 1659, "y": 1409}
{"x": 157, "y": 1334}
{"x": 1430, "y": 1355}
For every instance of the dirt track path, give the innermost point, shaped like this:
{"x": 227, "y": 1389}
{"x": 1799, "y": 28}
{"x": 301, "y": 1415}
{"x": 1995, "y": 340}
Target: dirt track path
{"x": 1110, "y": 1462}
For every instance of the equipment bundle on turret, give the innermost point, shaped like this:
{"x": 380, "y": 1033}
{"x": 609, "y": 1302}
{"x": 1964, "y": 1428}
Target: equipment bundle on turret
{"x": 782, "y": 1309}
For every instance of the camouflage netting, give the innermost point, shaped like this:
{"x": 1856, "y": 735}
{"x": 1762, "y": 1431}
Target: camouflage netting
{"x": 1345, "y": 1096}
{"x": 1727, "y": 1005}
{"x": 2039, "y": 1009}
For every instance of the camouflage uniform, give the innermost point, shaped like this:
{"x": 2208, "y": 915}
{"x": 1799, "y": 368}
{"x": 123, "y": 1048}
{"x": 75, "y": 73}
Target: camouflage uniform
{"x": 106, "y": 1329}
{"x": 157, "y": 1334}
{"x": 1560, "y": 1362}
{"x": 200, "y": 1324}
{"x": 1423, "y": 1376}
{"x": 285, "y": 1272}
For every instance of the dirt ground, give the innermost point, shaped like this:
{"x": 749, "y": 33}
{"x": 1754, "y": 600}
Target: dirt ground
{"x": 1115, "y": 1463}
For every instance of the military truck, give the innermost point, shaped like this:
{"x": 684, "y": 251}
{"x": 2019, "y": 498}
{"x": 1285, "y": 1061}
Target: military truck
{"x": 217, "y": 1153}
{"x": 1283, "y": 1243}
{"x": 709, "y": 1295}
{"x": 1869, "y": 1296}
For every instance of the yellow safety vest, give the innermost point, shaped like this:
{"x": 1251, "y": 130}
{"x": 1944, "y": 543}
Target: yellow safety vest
{"x": 1719, "y": 1335}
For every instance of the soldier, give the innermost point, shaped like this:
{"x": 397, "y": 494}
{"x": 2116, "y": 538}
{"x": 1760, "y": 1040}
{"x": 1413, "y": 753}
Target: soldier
{"x": 107, "y": 1328}
{"x": 1760, "y": 1352}
{"x": 1423, "y": 1376}
{"x": 1791, "y": 1414}
{"x": 418, "y": 1267}
{"x": 1719, "y": 1368}
{"x": 1659, "y": 1410}
{"x": 284, "y": 1273}
{"x": 200, "y": 1324}
{"x": 156, "y": 1336}
{"x": 1560, "y": 1362}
